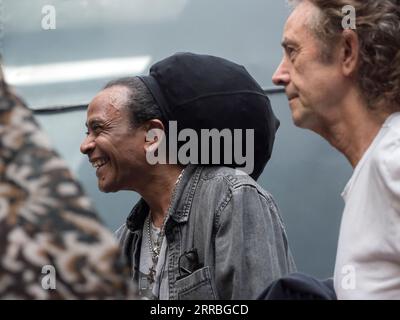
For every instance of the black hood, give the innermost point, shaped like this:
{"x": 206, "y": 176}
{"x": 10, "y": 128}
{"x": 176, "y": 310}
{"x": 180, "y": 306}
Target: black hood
{"x": 207, "y": 92}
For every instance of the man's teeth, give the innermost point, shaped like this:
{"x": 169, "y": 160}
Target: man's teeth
{"x": 98, "y": 163}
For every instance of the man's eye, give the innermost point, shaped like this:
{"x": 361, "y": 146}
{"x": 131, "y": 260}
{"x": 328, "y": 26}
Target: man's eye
{"x": 290, "y": 51}
{"x": 96, "y": 128}
{"x": 93, "y": 129}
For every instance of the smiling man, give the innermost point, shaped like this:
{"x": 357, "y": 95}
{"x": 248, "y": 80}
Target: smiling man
{"x": 345, "y": 86}
{"x": 199, "y": 232}
{"x": 115, "y": 153}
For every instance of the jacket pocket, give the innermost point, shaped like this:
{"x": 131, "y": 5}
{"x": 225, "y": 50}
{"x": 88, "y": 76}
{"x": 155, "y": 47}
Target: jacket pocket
{"x": 196, "y": 286}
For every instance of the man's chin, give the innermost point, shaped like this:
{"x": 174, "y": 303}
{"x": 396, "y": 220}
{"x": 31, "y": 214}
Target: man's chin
{"x": 106, "y": 188}
{"x": 297, "y": 122}
{"x": 304, "y": 121}
{"x": 299, "y": 117}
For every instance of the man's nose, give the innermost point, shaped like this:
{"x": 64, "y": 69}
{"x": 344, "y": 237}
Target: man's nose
{"x": 281, "y": 76}
{"x": 87, "y": 145}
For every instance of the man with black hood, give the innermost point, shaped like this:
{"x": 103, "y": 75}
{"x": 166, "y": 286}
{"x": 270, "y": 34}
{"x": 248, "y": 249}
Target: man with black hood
{"x": 202, "y": 229}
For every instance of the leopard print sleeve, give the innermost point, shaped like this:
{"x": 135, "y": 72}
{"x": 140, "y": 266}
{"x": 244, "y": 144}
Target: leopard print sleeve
{"x": 46, "y": 220}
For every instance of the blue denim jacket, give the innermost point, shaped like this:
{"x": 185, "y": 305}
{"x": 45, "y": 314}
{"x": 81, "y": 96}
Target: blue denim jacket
{"x": 226, "y": 239}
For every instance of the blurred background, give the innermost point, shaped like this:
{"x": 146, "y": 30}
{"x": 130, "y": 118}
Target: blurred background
{"x": 62, "y": 55}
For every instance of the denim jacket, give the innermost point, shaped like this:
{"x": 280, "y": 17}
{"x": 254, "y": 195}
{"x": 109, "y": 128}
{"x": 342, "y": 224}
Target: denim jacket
{"x": 225, "y": 237}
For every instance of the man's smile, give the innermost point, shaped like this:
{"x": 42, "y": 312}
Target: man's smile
{"x": 99, "y": 162}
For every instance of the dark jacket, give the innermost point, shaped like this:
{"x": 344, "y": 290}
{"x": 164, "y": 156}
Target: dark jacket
{"x": 299, "y": 286}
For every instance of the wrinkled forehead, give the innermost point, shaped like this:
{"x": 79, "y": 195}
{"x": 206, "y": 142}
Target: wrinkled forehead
{"x": 108, "y": 103}
{"x": 114, "y": 98}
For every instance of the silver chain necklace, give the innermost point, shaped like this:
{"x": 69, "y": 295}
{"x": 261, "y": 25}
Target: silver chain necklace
{"x": 156, "y": 248}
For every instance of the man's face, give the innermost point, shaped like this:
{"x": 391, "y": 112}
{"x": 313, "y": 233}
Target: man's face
{"x": 312, "y": 86}
{"x": 113, "y": 146}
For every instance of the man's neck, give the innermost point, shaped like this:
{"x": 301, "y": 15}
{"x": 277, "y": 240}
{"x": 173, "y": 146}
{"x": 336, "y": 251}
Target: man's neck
{"x": 354, "y": 129}
{"x": 158, "y": 191}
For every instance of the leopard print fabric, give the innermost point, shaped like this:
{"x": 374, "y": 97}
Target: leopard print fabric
{"x": 45, "y": 219}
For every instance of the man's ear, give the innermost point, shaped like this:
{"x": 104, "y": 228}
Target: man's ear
{"x": 155, "y": 135}
{"x": 349, "y": 54}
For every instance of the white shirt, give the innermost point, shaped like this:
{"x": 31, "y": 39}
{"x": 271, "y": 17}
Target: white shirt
{"x": 368, "y": 256}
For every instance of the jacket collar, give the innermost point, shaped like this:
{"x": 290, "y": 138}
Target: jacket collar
{"x": 180, "y": 204}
